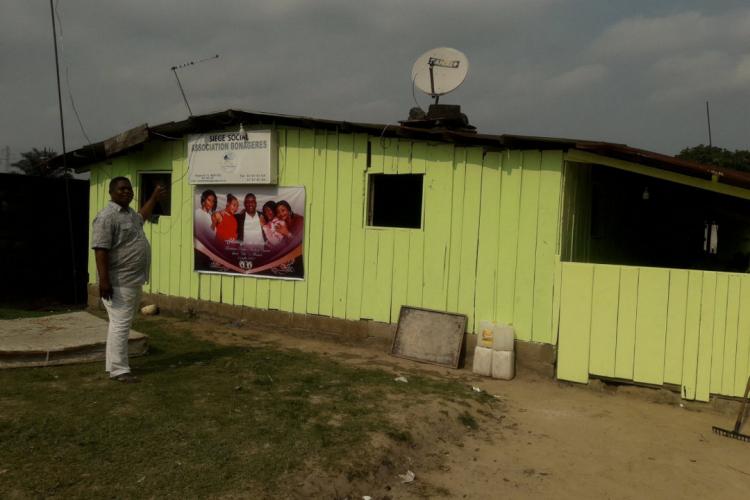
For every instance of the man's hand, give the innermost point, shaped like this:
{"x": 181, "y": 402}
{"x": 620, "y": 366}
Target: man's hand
{"x": 159, "y": 192}
{"x": 105, "y": 290}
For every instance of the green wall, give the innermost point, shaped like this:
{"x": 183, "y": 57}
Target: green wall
{"x": 656, "y": 326}
{"x": 487, "y": 247}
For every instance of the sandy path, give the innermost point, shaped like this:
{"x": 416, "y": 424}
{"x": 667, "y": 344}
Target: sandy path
{"x": 555, "y": 440}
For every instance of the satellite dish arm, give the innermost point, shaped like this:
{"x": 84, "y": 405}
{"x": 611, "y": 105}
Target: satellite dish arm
{"x": 431, "y": 63}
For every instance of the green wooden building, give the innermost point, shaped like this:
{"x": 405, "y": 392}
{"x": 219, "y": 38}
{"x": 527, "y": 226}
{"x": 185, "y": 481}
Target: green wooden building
{"x": 600, "y": 250}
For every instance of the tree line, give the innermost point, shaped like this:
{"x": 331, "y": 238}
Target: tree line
{"x": 35, "y": 162}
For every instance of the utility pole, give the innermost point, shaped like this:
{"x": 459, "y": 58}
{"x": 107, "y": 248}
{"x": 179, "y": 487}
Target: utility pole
{"x": 708, "y": 120}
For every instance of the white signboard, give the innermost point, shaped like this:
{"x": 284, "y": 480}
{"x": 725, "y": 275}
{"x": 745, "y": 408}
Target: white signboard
{"x": 233, "y": 157}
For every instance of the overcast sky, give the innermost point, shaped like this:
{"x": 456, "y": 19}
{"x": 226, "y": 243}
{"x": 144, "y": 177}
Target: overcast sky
{"x": 634, "y": 72}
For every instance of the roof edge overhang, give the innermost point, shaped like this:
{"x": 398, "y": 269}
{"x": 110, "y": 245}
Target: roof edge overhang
{"x": 83, "y": 158}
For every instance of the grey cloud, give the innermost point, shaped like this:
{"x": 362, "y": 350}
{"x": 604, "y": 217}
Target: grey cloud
{"x": 625, "y": 72}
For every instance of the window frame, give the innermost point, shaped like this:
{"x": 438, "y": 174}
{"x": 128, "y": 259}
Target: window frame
{"x": 370, "y": 201}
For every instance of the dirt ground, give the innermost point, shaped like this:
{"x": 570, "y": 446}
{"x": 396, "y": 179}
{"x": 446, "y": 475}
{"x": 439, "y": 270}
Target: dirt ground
{"x": 544, "y": 439}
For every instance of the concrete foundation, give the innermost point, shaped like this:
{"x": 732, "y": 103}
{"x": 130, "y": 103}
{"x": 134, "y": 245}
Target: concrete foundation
{"x": 533, "y": 356}
{"x": 58, "y": 340}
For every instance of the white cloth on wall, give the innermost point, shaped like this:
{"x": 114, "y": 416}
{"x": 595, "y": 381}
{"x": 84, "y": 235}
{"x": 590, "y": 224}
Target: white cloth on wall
{"x": 713, "y": 243}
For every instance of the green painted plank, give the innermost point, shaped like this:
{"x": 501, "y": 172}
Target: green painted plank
{"x": 343, "y": 224}
{"x": 400, "y": 279}
{"x": 250, "y": 293}
{"x": 651, "y": 325}
{"x": 306, "y": 173}
{"x": 160, "y": 256}
{"x": 369, "y": 276}
{"x": 415, "y": 281}
{"x": 227, "y": 289}
{"x": 556, "y": 299}
{"x": 692, "y": 334}
{"x": 705, "y": 339}
{"x": 289, "y": 177}
{"x": 262, "y": 293}
{"x": 314, "y": 250}
{"x": 720, "y": 327}
{"x": 215, "y": 280}
{"x": 403, "y": 161}
{"x": 204, "y": 287}
{"x": 357, "y": 232}
{"x": 390, "y": 153}
{"x": 419, "y": 158}
{"x": 93, "y": 210}
{"x": 274, "y": 287}
{"x": 676, "y": 315}
{"x": 469, "y": 235}
{"x": 603, "y": 344}
{"x": 166, "y": 226}
{"x": 384, "y": 277}
{"x": 523, "y": 306}
{"x": 290, "y": 174}
{"x": 189, "y": 279}
{"x": 456, "y": 228}
{"x": 510, "y": 213}
{"x": 575, "y": 322}
{"x": 626, "y": 320}
{"x": 239, "y": 290}
{"x": 489, "y": 222}
{"x": 743, "y": 338}
{"x": 274, "y": 294}
{"x": 176, "y": 222}
{"x": 548, "y": 223}
{"x": 730, "y": 338}
{"x": 377, "y": 155}
{"x": 330, "y": 226}
{"x": 437, "y": 210}
{"x": 282, "y": 157}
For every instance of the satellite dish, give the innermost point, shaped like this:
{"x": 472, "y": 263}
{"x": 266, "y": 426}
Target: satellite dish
{"x": 439, "y": 71}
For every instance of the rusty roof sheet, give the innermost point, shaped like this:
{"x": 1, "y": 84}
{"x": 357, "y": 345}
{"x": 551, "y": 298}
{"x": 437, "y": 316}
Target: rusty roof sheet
{"x": 82, "y": 158}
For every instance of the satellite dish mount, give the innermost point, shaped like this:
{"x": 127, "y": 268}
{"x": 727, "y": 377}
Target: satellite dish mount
{"x": 436, "y": 61}
{"x": 438, "y": 72}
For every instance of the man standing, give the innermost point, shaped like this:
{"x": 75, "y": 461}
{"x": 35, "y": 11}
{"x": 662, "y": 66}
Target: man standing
{"x": 123, "y": 259}
{"x": 249, "y": 230}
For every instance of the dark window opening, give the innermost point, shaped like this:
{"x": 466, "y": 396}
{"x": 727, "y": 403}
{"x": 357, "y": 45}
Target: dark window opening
{"x": 618, "y": 217}
{"x": 395, "y": 201}
{"x": 148, "y": 182}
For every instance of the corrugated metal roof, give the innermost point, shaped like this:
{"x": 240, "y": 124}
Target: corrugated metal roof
{"x": 82, "y": 158}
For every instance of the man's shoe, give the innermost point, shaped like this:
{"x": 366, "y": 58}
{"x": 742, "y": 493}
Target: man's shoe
{"x": 126, "y": 378}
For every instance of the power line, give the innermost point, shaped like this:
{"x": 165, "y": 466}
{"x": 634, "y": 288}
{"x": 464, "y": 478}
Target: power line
{"x": 66, "y": 177}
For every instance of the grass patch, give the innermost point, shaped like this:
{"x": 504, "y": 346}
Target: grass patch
{"x": 468, "y": 420}
{"x": 11, "y": 312}
{"x": 207, "y": 420}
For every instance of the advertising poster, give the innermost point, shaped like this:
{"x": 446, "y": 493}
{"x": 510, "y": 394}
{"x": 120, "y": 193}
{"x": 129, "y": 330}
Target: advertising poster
{"x": 249, "y": 230}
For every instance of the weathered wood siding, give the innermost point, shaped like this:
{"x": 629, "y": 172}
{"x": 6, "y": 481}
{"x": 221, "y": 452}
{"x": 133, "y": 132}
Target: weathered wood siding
{"x": 656, "y": 326}
{"x": 487, "y": 247}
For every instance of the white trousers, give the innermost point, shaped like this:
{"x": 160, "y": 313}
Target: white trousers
{"x": 121, "y": 309}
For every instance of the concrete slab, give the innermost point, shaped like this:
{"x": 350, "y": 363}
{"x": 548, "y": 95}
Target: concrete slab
{"x": 60, "y": 339}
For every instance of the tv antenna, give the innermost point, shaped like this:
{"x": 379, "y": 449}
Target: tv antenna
{"x": 179, "y": 83}
{"x": 439, "y": 71}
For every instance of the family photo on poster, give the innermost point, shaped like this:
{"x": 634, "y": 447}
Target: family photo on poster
{"x": 250, "y": 230}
